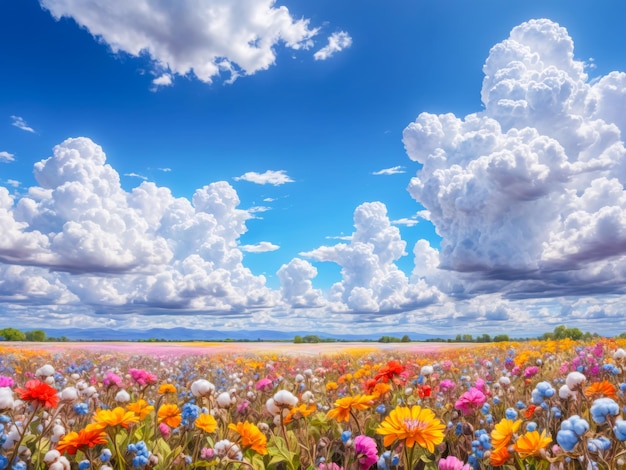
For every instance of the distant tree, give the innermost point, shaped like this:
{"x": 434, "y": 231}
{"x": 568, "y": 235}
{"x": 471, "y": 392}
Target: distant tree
{"x": 467, "y": 338}
{"x": 35, "y": 335}
{"x": 298, "y": 339}
{"x": 12, "y": 334}
{"x": 500, "y": 338}
{"x": 311, "y": 339}
{"x": 484, "y": 338}
{"x": 405, "y": 339}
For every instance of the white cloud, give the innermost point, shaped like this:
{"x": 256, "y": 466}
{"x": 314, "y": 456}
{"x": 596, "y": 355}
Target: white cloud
{"x": 162, "y": 80}
{"x": 262, "y": 247}
{"x": 165, "y": 170}
{"x": 274, "y": 177}
{"x": 255, "y": 209}
{"x": 336, "y": 43}
{"x": 13, "y": 183}
{"x": 296, "y": 286}
{"x": 6, "y": 156}
{"x": 136, "y": 175}
{"x": 21, "y": 124}
{"x": 395, "y": 170}
{"x": 405, "y": 221}
{"x": 371, "y": 281}
{"x": 206, "y": 39}
{"x": 527, "y": 195}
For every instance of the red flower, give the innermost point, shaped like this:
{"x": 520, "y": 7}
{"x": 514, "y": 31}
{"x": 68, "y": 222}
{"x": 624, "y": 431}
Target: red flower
{"x": 424, "y": 391}
{"x": 529, "y": 411}
{"x": 39, "y": 392}
{"x": 388, "y": 372}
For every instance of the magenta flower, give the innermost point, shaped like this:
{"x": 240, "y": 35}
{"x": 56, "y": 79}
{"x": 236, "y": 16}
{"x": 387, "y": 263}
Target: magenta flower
{"x": 470, "y": 401}
{"x": 6, "y": 381}
{"x": 330, "y": 466}
{"x": 112, "y": 378}
{"x": 264, "y": 385}
{"x": 366, "y": 452}
{"x": 142, "y": 377}
{"x": 446, "y": 385}
{"x": 165, "y": 430}
{"x": 452, "y": 463}
{"x": 530, "y": 371}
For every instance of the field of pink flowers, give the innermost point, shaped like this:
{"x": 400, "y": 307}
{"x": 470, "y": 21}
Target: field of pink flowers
{"x": 535, "y": 405}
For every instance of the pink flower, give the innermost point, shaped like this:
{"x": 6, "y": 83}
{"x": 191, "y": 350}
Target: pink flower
{"x": 446, "y": 385}
{"x": 165, "y": 430}
{"x": 6, "y": 381}
{"x": 142, "y": 377}
{"x": 112, "y": 378}
{"x": 366, "y": 452}
{"x": 264, "y": 385}
{"x": 470, "y": 401}
{"x": 530, "y": 371}
{"x": 452, "y": 463}
{"x": 330, "y": 466}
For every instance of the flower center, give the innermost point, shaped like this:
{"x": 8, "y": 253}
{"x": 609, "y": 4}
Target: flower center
{"x": 412, "y": 425}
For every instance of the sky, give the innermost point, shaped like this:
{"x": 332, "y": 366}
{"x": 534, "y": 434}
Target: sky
{"x": 418, "y": 166}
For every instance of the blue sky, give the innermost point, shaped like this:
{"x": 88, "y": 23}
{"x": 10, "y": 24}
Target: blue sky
{"x": 447, "y": 167}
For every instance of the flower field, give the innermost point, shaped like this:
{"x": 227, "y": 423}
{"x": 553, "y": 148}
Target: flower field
{"x": 540, "y": 404}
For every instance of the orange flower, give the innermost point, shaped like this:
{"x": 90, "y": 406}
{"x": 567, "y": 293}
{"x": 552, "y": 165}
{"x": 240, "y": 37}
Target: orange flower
{"x": 499, "y": 456}
{"x": 140, "y": 408}
{"x": 601, "y": 389}
{"x": 91, "y": 436}
{"x": 531, "y": 443}
{"x": 40, "y": 393}
{"x": 411, "y": 425}
{"x": 166, "y": 388}
{"x": 116, "y": 417}
{"x": 528, "y": 412}
{"x": 169, "y": 413}
{"x": 331, "y": 386}
{"x": 389, "y": 371}
{"x": 206, "y": 422}
{"x": 301, "y": 411}
{"x": 503, "y": 432}
{"x": 251, "y": 436}
{"x": 341, "y": 412}
{"x": 381, "y": 389}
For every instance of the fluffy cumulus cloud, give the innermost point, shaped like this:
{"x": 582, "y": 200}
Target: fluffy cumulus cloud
{"x": 371, "y": 280}
{"x": 336, "y": 43}
{"x": 6, "y": 156}
{"x": 80, "y": 239}
{"x": 528, "y": 194}
{"x": 203, "y": 38}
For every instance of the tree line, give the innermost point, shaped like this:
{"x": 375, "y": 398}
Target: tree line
{"x": 13, "y": 334}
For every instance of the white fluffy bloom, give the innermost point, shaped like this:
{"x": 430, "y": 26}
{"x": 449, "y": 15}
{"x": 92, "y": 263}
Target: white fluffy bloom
{"x": 225, "y": 448}
{"x": 574, "y": 379}
{"x": 308, "y": 398}
{"x": 285, "y": 398}
{"x": 69, "y": 394}
{"x": 224, "y": 400}
{"x": 299, "y": 378}
{"x": 427, "y": 370}
{"x": 202, "y": 387}
{"x": 271, "y": 407}
{"x": 6, "y": 398}
{"x": 45, "y": 371}
{"x": 122, "y": 397}
{"x": 565, "y": 392}
{"x": 51, "y": 456}
{"x": 505, "y": 381}
{"x": 619, "y": 354}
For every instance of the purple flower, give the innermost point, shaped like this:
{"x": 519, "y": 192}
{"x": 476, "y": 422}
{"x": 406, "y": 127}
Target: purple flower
{"x": 366, "y": 451}
{"x": 6, "y": 381}
{"x": 452, "y": 463}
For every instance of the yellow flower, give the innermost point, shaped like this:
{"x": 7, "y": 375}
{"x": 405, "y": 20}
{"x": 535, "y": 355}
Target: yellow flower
{"x": 531, "y": 443}
{"x": 301, "y": 411}
{"x": 331, "y": 386}
{"x": 169, "y": 413}
{"x": 166, "y": 388}
{"x": 415, "y": 424}
{"x": 251, "y": 436}
{"x": 140, "y": 408}
{"x": 503, "y": 432}
{"x": 341, "y": 412}
{"x": 206, "y": 422}
{"x": 116, "y": 416}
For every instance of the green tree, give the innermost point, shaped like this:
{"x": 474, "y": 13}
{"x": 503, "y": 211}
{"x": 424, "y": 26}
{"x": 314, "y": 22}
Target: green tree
{"x": 12, "y": 334}
{"x": 35, "y": 335}
{"x": 405, "y": 339}
{"x": 298, "y": 339}
{"x": 500, "y": 338}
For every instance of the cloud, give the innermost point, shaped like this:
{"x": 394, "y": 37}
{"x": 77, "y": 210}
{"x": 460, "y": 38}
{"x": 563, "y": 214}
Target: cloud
{"x": 162, "y": 80}
{"x": 395, "y": 170}
{"x": 405, "y": 221}
{"x": 6, "y": 157}
{"x": 21, "y": 124}
{"x": 273, "y": 177}
{"x": 371, "y": 281}
{"x": 336, "y": 43}
{"x": 203, "y": 39}
{"x": 262, "y": 247}
{"x": 527, "y": 195}
{"x": 13, "y": 183}
{"x": 165, "y": 170}
{"x": 296, "y": 286}
{"x": 136, "y": 175}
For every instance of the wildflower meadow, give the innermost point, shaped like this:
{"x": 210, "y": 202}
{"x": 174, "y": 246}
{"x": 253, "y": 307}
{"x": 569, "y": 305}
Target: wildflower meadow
{"x": 530, "y": 405}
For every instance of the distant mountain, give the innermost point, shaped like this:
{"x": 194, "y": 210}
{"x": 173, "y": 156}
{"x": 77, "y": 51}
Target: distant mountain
{"x": 186, "y": 334}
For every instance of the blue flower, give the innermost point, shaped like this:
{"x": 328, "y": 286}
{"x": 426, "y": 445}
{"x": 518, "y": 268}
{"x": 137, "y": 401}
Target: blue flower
{"x": 84, "y": 465}
{"x": 345, "y": 436}
{"x": 81, "y": 408}
{"x": 567, "y": 439}
{"x": 602, "y": 407}
{"x": 598, "y": 444}
{"x": 381, "y": 408}
{"x": 4, "y": 462}
{"x": 620, "y": 429}
{"x": 19, "y": 465}
{"x": 510, "y": 414}
{"x": 531, "y": 426}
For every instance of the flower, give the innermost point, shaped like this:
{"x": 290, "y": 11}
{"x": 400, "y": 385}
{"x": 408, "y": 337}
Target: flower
{"x": 531, "y": 443}
{"x": 116, "y": 417}
{"x": 166, "y": 388}
{"x": 251, "y": 436}
{"x": 601, "y": 389}
{"x": 503, "y": 432}
{"x": 452, "y": 463}
{"x": 603, "y": 407}
{"x": 202, "y": 387}
{"x": 366, "y": 452}
{"x": 499, "y": 456}
{"x": 415, "y": 424}
{"x": 142, "y": 377}
{"x": 141, "y": 408}
{"x": 169, "y": 413}
{"x": 575, "y": 380}
{"x": 470, "y": 401}
{"x": 206, "y": 422}
{"x": 264, "y": 385}
{"x": 620, "y": 429}
{"x": 300, "y": 411}
{"x": 6, "y": 381}
{"x": 40, "y": 393}
{"x": 389, "y": 371}
{"x": 344, "y": 405}
{"x": 90, "y": 436}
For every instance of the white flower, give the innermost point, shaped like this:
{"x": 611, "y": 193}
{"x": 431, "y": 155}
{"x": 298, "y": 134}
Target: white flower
{"x": 271, "y": 407}
{"x": 299, "y": 378}
{"x": 285, "y": 398}
{"x": 565, "y": 392}
{"x": 505, "y": 381}
{"x": 307, "y": 397}
{"x": 45, "y": 371}
{"x": 49, "y": 380}
{"x": 51, "y": 456}
{"x": 427, "y": 370}
{"x": 6, "y": 398}
{"x": 224, "y": 400}
{"x": 202, "y": 387}
{"x": 63, "y": 464}
{"x": 307, "y": 372}
{"x": 574, "y": 379}
{"x": 619, "y": 354}
{"x": 122, "y": 396}
{"x": 408, "y": 391}
{"x": 69, "y": 394}
{"x": 225, "y": 448}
